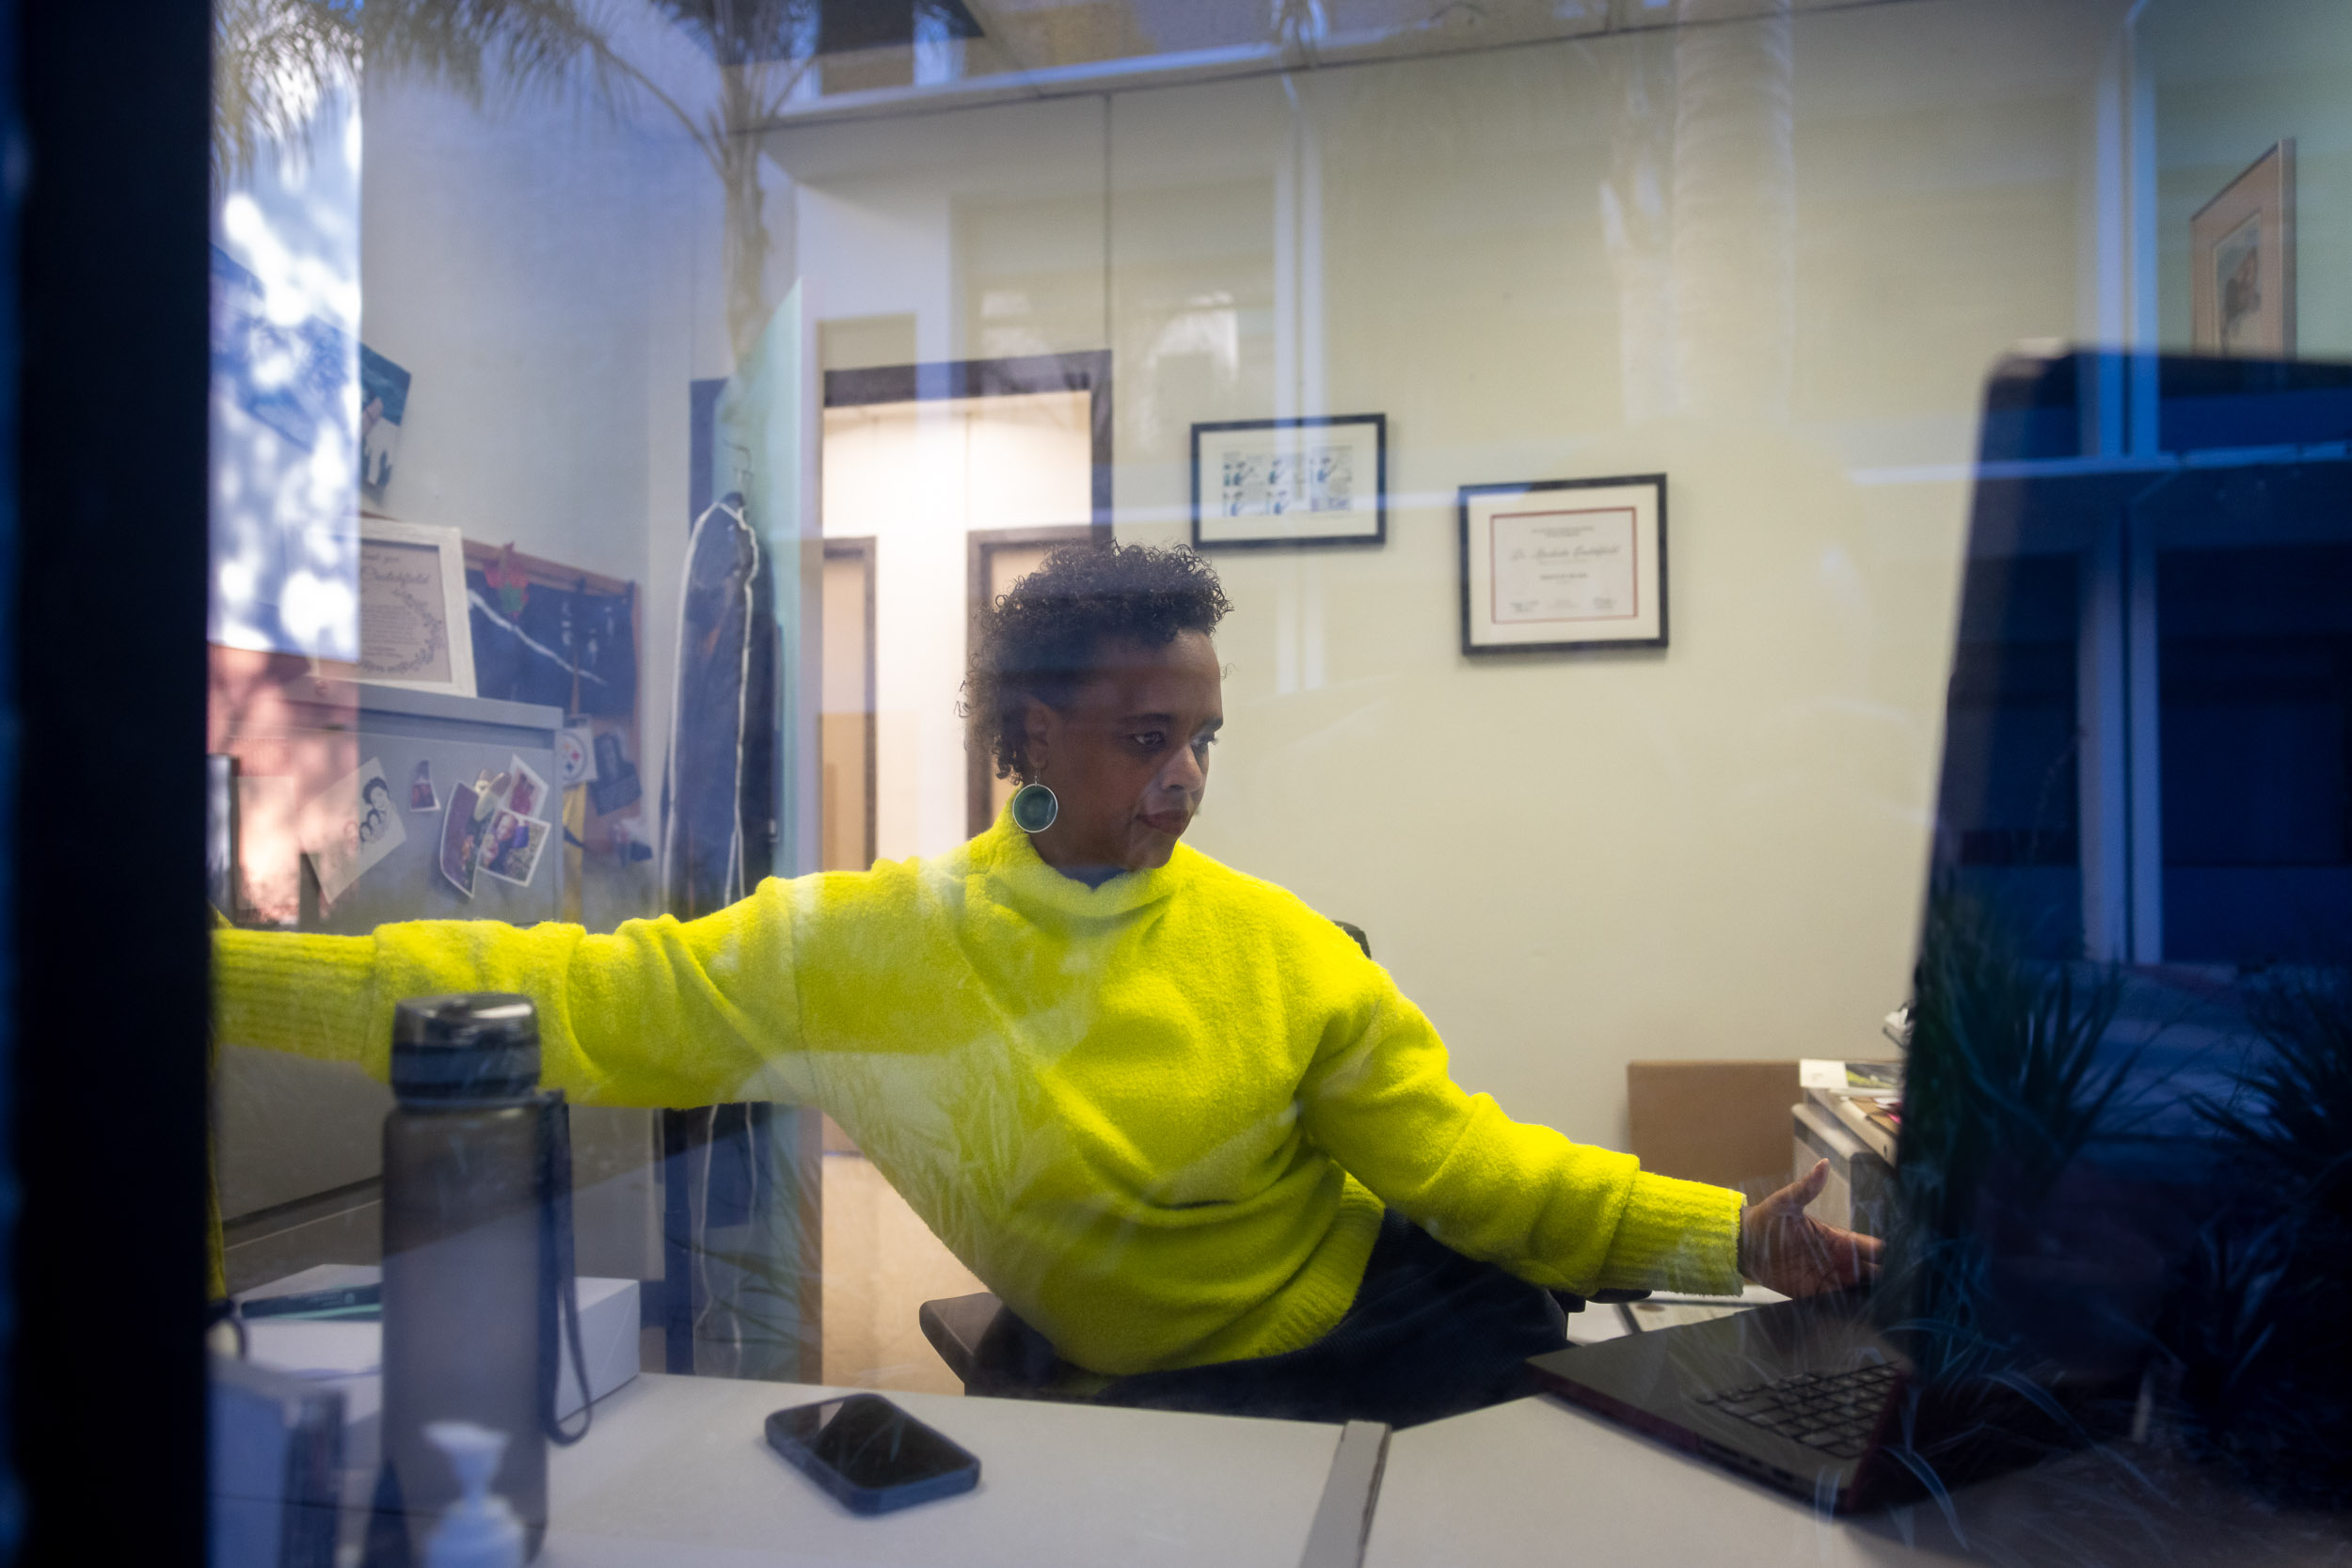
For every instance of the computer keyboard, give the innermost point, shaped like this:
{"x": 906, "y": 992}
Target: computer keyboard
{"x": 1833, "y": 1411}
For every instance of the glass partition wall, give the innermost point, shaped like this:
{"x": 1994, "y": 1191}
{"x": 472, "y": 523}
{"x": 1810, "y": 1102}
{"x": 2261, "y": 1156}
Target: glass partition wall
{"x": 631, "y": 423}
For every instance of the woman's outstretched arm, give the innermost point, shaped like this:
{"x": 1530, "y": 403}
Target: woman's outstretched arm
{"x": 1381, "y": 1099}
{"x": 661, "y": 1012}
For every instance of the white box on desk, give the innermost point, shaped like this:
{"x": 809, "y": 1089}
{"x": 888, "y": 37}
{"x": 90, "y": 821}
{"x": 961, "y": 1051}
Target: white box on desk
{"x": 1861, "y": 1184}
{"x": 350, "y": 1355}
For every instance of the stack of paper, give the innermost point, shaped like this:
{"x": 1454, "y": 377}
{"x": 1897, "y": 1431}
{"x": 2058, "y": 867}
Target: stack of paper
{"x": 1865, "y": 1096}
{"x": 276, "y": 1457}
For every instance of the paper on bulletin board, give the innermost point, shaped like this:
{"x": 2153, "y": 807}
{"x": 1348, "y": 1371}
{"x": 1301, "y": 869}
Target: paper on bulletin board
{"x": 348, "y": 826}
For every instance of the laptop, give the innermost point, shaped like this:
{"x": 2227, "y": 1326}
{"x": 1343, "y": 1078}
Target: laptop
{"x": 2116, "y": 1204}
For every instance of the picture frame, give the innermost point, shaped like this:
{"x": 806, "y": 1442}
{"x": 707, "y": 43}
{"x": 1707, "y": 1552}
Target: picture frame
{"x": 2242, "y": 261}
{"x": 415, "y": 630}
{"x": 1290, "y": 483}
{"x": 1562, "y": 563}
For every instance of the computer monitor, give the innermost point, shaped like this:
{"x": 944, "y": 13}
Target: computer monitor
{"x": 2124, "y": 1184}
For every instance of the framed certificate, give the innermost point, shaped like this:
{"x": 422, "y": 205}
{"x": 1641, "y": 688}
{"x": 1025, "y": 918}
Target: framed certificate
{"x": 1261, "y": 483}
{"x": 414, "y": 627}
{"x": 1564, "y": 564}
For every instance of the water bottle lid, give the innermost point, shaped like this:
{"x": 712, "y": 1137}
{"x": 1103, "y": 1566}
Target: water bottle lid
{"x": 474, "y": 1045}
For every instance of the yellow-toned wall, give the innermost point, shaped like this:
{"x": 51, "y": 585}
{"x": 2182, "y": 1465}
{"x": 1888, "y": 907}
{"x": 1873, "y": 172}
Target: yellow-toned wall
{"x": 1569, "y": 861}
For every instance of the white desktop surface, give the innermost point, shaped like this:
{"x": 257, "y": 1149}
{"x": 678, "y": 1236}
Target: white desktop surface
{"x": 676, "y": 1471}
{"x": 1540, "y": 1480}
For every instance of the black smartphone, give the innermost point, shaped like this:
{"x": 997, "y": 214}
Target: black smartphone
{"x": 870, "y": 1454}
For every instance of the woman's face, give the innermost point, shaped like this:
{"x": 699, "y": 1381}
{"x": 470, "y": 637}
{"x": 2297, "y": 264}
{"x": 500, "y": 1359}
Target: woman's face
{"x": 1129, "y": 758}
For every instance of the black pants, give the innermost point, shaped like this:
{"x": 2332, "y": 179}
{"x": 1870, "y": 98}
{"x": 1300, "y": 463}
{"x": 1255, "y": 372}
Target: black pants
{"x": 1431, "y": 1333}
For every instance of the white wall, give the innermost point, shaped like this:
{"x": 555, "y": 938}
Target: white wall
{"x": 1532, "y": 262}
{"x": 547, "y": 272}
{"x": 1570, "y": 861}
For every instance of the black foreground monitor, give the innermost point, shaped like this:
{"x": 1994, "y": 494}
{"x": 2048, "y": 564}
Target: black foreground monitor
{"x": 2125, "y": 1183}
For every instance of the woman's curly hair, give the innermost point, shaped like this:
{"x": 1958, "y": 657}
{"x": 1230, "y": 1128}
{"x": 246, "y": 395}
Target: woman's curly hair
{"x": 1045, "y": 636}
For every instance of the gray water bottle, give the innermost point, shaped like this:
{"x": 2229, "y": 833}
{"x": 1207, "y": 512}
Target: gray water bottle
{"x": 477, "y": 1177}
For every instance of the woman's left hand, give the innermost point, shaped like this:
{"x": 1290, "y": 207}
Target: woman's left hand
{"x": 1784, "y": 1249}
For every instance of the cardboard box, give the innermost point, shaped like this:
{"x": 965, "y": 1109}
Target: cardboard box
{"x": 1722, "y": 1122}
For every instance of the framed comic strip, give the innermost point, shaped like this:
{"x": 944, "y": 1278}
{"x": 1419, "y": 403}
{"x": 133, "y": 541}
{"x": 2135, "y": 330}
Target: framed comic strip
{"x": 1564, "y": 564}
{"x": 1269, "y": 483}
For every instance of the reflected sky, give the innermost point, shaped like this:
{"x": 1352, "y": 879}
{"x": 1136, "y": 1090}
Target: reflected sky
{"x": 285, "y": 410}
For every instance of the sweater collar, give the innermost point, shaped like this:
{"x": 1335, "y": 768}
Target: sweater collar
{"x": 1005, "y": 855}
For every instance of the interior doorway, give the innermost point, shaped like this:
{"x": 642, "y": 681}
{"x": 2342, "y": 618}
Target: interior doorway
{"x": 944, "y": 469}
{"x": 940, "y": 485}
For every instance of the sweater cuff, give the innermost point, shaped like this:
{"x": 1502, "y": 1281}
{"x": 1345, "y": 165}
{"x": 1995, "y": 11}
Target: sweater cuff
{"x": 1676, "y": 1236}
{"x": 298, "y": 991}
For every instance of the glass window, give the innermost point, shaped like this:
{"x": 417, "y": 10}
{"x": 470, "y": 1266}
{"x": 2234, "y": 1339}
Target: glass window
{"x": 1691, "y": 539}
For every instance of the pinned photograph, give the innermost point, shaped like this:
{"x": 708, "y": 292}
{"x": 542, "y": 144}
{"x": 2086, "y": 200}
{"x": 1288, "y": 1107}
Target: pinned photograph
{"x": 615, "y": 776}
{"x": 461, "y": 839}
{"x": 526, "y": 792}
{"x": 421, "y": 796}
{"x": 383, "y": 405}
{"x": 511, "y": 852}
{"x": 348, "y": 826}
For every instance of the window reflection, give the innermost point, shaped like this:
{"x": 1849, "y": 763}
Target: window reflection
{"x": 748, "y": 359}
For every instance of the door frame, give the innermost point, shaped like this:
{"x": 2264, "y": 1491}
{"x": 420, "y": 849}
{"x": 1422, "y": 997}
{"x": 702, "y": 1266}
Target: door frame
{"x": 861, "y": 549}
{"x": 980, "y": 547}
{"x": 1089, "y": 372}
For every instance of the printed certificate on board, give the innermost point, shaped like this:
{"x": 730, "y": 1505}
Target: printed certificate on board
{"x": 414, "y": 627}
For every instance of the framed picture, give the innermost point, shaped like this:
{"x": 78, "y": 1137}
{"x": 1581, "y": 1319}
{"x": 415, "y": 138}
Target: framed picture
{"x": 1264, "y": 484}
{"x": 1564, "y": 564}
{"x": 414, "y": 629}
{"x": 383, "y": 404}
{"x": 2241, "y": 248}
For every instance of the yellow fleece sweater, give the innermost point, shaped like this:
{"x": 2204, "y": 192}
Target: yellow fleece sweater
{"x": 1159, "y": 1117}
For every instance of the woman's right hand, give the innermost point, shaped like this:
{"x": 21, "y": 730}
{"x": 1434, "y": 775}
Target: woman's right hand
{"x": 1784, "y": 1249}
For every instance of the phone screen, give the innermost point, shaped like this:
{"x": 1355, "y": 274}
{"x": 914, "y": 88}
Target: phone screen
{"x": 867, "y": 1441}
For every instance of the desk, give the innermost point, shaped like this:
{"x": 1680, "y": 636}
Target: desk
{"x": 676, "y": 1471}
{"x": 1541, "y": 1481}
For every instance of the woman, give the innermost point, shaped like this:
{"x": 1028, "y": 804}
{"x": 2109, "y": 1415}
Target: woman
{"x": 1175, "y": 1118}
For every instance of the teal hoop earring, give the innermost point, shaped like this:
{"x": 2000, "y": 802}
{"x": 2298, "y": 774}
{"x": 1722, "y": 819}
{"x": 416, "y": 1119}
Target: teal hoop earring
{"x": 1034, "y": 808}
